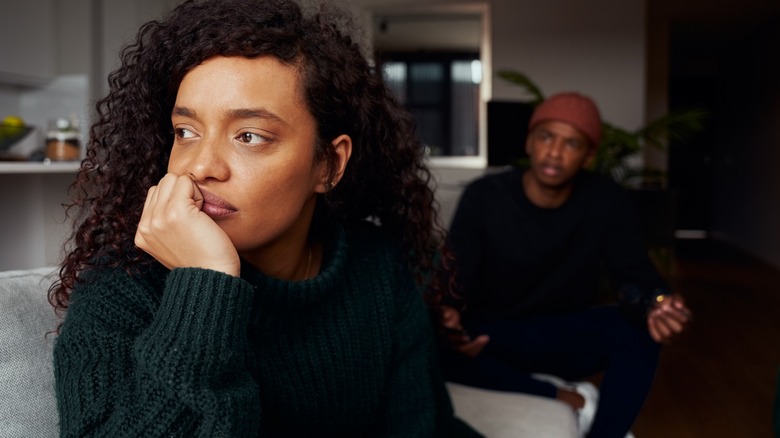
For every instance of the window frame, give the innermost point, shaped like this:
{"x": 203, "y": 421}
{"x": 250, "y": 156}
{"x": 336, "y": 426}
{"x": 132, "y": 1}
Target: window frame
{"x": 481, "y": 9}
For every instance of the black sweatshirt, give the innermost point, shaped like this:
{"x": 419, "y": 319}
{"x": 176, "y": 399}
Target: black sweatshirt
{"x": 515, "y": 259}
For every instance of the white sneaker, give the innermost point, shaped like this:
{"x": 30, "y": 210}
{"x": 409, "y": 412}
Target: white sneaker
{"x": 587, "y": 413}
{"x": 587, "y": 390}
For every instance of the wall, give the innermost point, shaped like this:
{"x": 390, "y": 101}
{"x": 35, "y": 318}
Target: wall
{"x": 595, "y": 47}
{"x": 118, "y": 24}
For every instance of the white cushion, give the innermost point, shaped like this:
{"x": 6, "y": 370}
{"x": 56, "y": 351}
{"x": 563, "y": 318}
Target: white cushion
{"x": 27, "y": 403}
{"x": 498, "y": 414}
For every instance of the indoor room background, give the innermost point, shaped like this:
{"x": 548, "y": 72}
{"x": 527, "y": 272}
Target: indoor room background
{"x": 639, "y": 59}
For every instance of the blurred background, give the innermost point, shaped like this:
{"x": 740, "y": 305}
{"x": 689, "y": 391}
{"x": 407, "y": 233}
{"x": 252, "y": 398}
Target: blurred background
{"x": 714, "y": 215}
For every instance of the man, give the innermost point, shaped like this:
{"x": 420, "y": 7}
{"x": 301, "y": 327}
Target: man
{"x": 531, "y": 247}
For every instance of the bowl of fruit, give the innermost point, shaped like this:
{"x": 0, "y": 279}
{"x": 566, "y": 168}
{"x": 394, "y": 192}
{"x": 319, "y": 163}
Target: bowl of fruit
{"x": 12, "y": 129}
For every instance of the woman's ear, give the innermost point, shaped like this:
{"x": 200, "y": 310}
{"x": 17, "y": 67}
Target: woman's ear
{"x": 337, "y": 160}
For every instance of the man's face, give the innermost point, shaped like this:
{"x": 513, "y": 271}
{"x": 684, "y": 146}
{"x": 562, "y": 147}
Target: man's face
{"x": 557, "y": 151}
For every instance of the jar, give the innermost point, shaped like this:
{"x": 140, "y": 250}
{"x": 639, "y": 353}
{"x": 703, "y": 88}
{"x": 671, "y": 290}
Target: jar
{"x": 62, "y": 142}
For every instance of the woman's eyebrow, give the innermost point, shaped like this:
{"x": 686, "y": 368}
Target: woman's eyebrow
{"x": 234, "y": 114}
{"x": 254, "y": 113}
{"x": 183, "y": 111}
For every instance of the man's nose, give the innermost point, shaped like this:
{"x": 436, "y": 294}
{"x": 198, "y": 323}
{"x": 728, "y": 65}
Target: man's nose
{"x": 555, "y": 149}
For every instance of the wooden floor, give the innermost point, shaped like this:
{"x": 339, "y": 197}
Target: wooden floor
{"x": 719, "y": 378}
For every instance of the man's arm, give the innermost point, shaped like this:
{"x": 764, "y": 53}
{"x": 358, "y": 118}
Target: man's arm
{"x": 457, "y": 336}
{"x": 465, "y": 240}
{"x": 643, "y": 291}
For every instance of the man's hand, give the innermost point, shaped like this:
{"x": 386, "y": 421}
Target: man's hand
{"x": 668, "y": 317}
{"x": 460, "y": 340}
{"x": 175, "y": 231}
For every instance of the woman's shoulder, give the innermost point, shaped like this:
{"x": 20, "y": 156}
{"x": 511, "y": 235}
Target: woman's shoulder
{"x": 370, "y": 236}
{"x": 371, "y": 247}
{"x": 116, "y": 294}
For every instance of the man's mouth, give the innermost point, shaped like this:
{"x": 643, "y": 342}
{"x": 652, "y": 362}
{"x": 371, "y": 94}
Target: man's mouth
{"x": 550, "y": 169}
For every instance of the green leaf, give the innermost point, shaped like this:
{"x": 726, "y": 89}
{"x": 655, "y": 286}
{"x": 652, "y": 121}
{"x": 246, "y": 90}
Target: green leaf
{"x": 524, "y": 82}
{"x": 677, "y": 125}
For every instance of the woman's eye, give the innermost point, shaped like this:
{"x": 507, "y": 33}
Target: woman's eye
{"x": 251, "y": 138}
{"x": 183, "y": 133}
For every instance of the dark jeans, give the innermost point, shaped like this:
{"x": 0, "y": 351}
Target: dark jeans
{"x": 571, "y": 346}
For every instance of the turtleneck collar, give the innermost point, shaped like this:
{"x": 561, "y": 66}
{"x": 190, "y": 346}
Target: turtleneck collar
{"x": 280, "y": 294}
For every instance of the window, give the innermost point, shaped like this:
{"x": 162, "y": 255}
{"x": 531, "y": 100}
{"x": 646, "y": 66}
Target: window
{"x": 441, "y": 90}
{"x": 436, "y": 57}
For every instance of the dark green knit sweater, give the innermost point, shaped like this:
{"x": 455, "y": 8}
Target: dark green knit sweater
{"x": 195, "y": 352}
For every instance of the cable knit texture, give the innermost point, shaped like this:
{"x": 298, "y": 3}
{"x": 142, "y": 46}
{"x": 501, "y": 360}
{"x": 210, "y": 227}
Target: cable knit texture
{"x": 195, "y": 352}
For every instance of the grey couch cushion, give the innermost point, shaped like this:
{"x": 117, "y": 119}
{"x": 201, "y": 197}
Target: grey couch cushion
{"x": 27, "y": 404}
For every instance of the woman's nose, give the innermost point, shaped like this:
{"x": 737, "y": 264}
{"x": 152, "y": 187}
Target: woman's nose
{"x": 206, "y": 161}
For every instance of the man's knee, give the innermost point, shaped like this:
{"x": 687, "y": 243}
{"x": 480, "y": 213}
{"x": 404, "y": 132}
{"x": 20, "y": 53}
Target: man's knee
{"x": 627, "y": 335}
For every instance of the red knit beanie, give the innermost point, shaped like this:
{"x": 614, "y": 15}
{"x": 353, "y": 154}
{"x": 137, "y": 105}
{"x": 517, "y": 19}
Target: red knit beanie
{"x": 572, "y": 108}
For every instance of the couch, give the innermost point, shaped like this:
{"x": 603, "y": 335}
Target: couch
{"x": 28, "y": 407}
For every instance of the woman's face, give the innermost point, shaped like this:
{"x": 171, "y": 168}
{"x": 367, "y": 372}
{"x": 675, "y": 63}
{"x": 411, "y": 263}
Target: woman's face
{"x": 245, "y": 136}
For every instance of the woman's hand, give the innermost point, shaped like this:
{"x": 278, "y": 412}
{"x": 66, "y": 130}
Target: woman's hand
{"x": 175, "y": 231}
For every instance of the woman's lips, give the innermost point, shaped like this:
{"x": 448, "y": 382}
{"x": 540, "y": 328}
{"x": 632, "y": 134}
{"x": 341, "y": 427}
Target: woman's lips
{"x": 216, "y": 207}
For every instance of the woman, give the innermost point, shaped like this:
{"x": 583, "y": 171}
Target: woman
{"x": 256, "y": 239}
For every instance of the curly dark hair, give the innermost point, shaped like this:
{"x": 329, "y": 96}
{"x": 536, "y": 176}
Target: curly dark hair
{"x": 130, "y": 142}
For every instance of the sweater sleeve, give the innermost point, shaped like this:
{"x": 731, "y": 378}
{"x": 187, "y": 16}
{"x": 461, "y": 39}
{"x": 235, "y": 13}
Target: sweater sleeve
{"x": 130, "y": 362}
